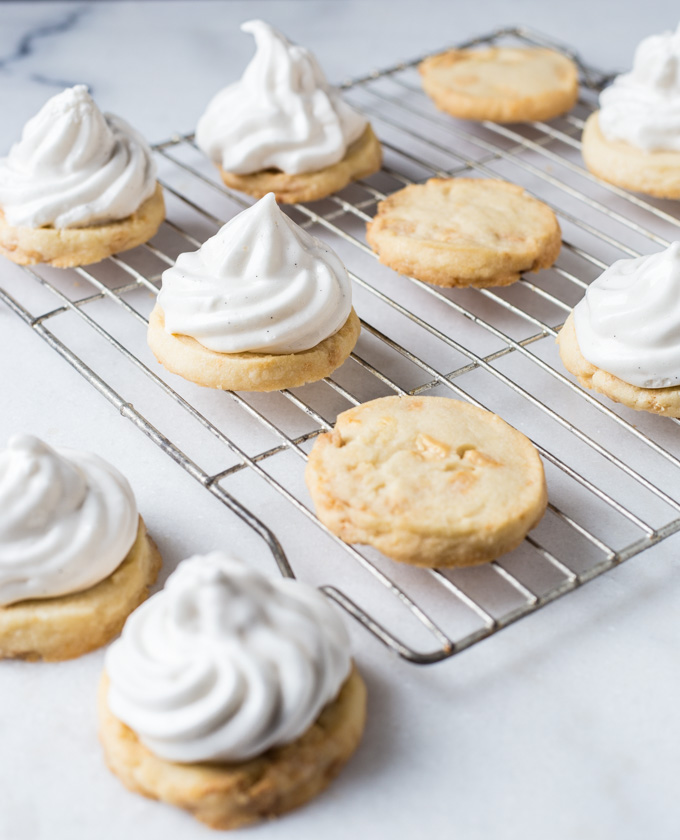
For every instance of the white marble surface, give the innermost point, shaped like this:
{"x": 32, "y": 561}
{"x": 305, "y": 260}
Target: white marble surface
{"x": 562, "y": 726}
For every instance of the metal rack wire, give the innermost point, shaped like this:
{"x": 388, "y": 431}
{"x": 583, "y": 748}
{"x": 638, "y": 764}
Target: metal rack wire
{"x": 612, "y": 474}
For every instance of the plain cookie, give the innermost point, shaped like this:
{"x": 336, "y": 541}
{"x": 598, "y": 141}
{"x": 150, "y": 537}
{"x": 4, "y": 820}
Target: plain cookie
{"x": 70, "y": 247}
{"x": 501, "y": 84}
{"x": 60, "y": 628}
{"x": 363, "y": 158}
{"x": 664, "y": 401}
{"x": 619, "y": 163}
{"x": 464, "y": 232}
{"x": 233, "y": 795}
{"x": 427, "y": 480}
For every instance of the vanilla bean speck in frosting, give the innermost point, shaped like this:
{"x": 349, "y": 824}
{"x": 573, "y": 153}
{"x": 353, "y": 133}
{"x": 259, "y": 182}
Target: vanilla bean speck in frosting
{"x": 67, "y": 520}
{"x": 75, "y": 167}
{"x": 261, "y": 284}
{"x": 643, "y": 107}
{"x": 282, "y": 114}
{"x": 223, "y": 663}
{"x": 628, "y": 322}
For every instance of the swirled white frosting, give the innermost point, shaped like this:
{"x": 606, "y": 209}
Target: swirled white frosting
{"x": 643, "y": 107}
{"x": 261, "y": 284}
{"x": 75, "y": 166}
{"x": 224, "y": 663}
{"x": 67, "y": 520}
{"x": 282, "y": 114}
{"x": 628, "y": 323}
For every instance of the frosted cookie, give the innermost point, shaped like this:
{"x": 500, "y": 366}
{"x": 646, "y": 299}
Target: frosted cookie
{"x": 283, "y": 129}
{"x": 623, "y": 337}
{"x": 75, "y": 557}
{"x": 633, "y": 141}
{"x": 427, "y": 480}
{"x": 501, "y": 84}
{"x": 261, "y": 306}
{"x": 464, "y": 232}
{"x": 79, "y": 186}
{"x": 230, "y": 695}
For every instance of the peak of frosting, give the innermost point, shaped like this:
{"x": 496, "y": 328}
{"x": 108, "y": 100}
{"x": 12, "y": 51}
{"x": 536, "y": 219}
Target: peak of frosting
{"x": 282, "y": 114}
{"x": 628, "y": 322}
{"x": 75, "y": 166}
{"x": 642, "y": 107}
{"x": 261, "y": 284}
{"x": 67, "y": 520}
{"x": 224, "y": 664}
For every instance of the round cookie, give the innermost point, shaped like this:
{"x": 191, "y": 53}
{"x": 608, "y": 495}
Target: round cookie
{"x": 68, "y": 626}
{"x": 228, "y": 796}
{"x": 362, "y": 158}
{"x": 501, "y": 84}
{"x": 664, "y": 401}
{"x": 427, "y": 480}
{"x": 69, "y": 247}
{"x": 464, "y": 232}
{"x": 186, "y": 357}
{"x": 654, "y": 173}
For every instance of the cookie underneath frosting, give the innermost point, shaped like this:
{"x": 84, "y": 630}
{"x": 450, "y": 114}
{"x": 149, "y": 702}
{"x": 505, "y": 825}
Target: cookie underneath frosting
{"x": 654, "y": 173}
{"x": 60, "y": 628}
{"x": 427, "y": 480}
{"x": 226, "y": 796}
{"x": 69, "y": 247}
{"x": 363, "y": 158}
{"x": 464, "y": 232}
{"x": 665, "y": 401}
{"x": 184, "y": 356}
{"x": 501, "y": 84}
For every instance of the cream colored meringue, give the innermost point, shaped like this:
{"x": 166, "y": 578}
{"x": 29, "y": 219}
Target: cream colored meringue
{"x": 282, "y": 114}
{"x": 628, "y": 323}
{"x": 643, "y": 107}
{"x": 224, "y": 663}
{"x": 75, "y": 167}
{"x": 67, "y": 520}
{"x": 262, "y": 284}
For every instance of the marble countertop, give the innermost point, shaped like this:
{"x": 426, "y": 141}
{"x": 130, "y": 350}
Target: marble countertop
{"x": 562, "y": 726}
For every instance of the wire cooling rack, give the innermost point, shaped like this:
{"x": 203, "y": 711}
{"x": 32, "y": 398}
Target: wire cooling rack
{"x": 612, "y": 473}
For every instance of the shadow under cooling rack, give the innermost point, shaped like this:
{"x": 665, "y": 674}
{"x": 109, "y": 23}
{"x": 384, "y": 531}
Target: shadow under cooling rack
{"x": 612, "y": 475}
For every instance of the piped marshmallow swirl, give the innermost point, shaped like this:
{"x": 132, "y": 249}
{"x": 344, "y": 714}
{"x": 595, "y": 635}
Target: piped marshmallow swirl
{"x": 643, "y": 107}
{"x": 67, "y": 520}
{"x": 282, "y": 114}
{"x": 224, "y": 663}
{"x": 262, "y": 284}
{"x": 75, "y": 166}
{"x": 628, "y": 323}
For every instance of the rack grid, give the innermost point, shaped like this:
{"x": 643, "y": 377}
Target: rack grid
{"x": 612, "y": 474}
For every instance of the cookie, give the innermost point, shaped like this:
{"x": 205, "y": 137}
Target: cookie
{"x": 69, "y": 247}
{"x": 664, "y": 401}
{"x": 655, "y": 173}
{"x": 232, "y": 795}
{"x": 363, "y": 158}
{"x": 464, "y": 232}
{"x": 68, "y": 626}
{"x": 501, "y": 84}
{"x": 186, "y": 357}
{"x": 427, "y": 480}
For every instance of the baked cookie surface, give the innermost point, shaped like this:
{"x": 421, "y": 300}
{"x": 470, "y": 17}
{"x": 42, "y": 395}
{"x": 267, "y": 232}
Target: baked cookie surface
{"x": 67, "y": 626}
{"x": 69, "y": 247}
{"x": 501, "y": 84}
{"x": 655, "y": 173}
{"x": 363, "y": 158}
{"x": 427, "y": 480}
{"x": 231, "y": 795}
{"x": 464, "y": 232}
{"x": 186, "y": 357}
{"x": 664, "y": 401}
